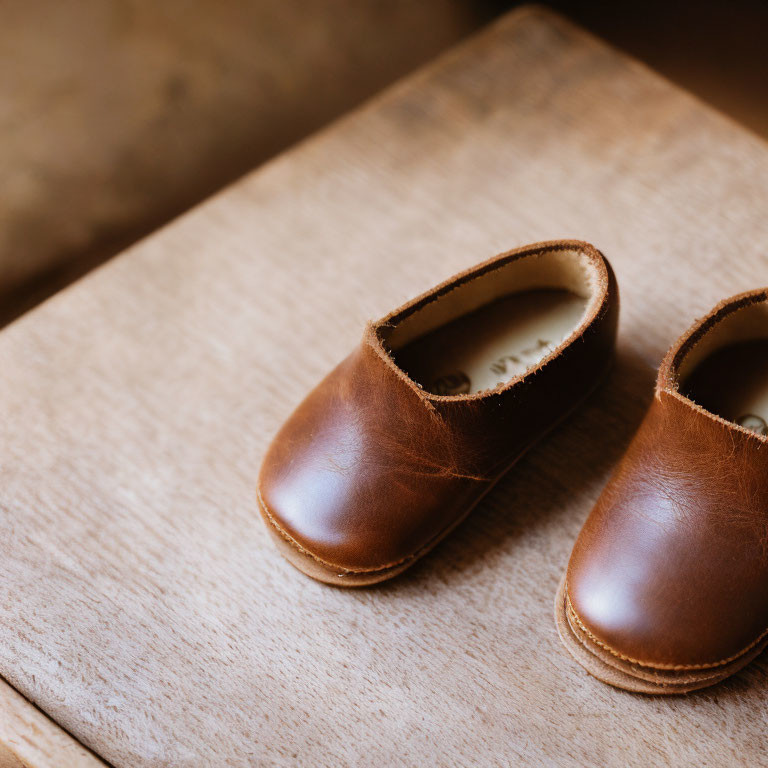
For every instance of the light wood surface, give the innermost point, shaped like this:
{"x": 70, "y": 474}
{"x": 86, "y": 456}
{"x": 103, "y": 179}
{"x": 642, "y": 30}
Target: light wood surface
{"x": 29, "y": 738}
{"x": 142, "y": 606}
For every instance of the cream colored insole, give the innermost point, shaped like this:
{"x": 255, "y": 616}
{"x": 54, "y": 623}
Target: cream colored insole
{"x": 733, "y": 383}
{"x": 493, "y": 344}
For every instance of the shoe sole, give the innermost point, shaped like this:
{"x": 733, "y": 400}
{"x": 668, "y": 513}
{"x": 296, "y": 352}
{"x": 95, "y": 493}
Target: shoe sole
{"x": 309, "y": 565}
{"x": 637, "y": 678}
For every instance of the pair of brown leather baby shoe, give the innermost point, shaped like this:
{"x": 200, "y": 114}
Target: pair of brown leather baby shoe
{"x": 666, "y": 590}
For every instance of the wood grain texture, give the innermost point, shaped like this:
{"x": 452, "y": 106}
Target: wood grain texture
{"x": 29, "y": 739}
{"x": 142, "y": 606}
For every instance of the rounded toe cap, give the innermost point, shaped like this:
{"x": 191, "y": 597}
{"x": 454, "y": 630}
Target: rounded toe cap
{"x": 346, "y": 521}
{"x": 661, "y": 611}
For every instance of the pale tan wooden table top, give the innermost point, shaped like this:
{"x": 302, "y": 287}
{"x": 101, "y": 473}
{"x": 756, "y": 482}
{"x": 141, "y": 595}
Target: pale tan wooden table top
{"x": 142, "y": 605}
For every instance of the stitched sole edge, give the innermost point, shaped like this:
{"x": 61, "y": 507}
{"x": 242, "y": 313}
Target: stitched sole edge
{"x": 340, "y": 577}
{"x": 313, "y": 568}
{"x": 630, "y": 677}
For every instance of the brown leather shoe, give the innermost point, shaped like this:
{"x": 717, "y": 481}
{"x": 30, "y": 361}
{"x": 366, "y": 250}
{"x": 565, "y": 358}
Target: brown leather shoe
{"x": 398, "y": 443}
{"x": 667, "y": 586}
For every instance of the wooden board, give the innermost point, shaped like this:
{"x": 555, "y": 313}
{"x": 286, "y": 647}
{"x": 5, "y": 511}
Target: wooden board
{"x": 142, "y": 606}
{"x": 29, "y": 738}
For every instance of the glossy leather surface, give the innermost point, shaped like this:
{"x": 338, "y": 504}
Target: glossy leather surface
{"x": 371, "y": 469}
{"x": 671, "y": 568}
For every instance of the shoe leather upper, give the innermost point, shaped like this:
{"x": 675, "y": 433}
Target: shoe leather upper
{"x": 370, "y": 468}
{"x": 671, "y": 568}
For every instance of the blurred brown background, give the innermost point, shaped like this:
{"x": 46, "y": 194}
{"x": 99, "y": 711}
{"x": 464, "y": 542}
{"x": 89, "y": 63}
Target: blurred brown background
{"x": 117, "y": 115}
